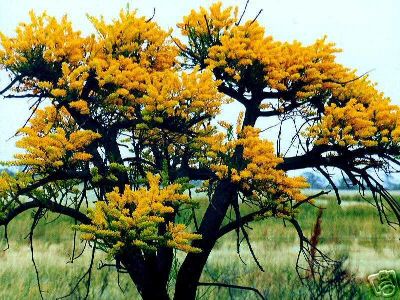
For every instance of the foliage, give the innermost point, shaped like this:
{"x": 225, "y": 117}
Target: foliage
{"x": 134, "y": 217}
{"x": 131, "y": 115}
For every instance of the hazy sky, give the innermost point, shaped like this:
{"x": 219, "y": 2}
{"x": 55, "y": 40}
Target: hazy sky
{"x": 367, "y": 31}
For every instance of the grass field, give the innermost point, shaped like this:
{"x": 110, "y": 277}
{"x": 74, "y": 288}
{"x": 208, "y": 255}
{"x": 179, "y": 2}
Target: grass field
{"x": 352, "y": 230}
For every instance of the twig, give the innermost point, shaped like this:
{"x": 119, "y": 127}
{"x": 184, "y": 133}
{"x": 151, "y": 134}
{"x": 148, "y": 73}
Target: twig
{"x": 208, "y": 26}
{"x": 151, "y": 18}
{"x": 241, "y": 16}
{"x": 328, "y": 177}
{"x": 34, "y": 108}
{"x": 354, "y": 79}
{"x": 22, "y": 96}
{"x": 36, "y": 218}
{"x": 245, "y": 235}
{"x": 10, "y": 84}
{"x": 259, "y": 13}
{"x": 311, "y": 197}
{"x": 87, "y": 273}
{"x": 232, "y": 286}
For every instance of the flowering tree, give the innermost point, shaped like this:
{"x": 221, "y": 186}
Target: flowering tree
{"x": 131, "y": 114}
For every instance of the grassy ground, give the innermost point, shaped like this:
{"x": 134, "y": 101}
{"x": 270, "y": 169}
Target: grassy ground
{"x": 352, "y": 230}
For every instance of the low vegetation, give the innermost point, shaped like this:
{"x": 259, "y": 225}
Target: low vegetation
{"x": 354, "y": 232}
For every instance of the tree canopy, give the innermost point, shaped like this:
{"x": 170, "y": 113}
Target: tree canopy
{"x": 131, "y": 114}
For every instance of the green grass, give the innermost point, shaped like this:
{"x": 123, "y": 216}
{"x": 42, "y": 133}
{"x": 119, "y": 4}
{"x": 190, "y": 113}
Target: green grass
{"x": 351, "y": 229}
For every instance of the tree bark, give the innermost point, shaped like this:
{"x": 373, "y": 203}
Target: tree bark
{"x": 192, "y": 267}
{"x": 145, "y": 275}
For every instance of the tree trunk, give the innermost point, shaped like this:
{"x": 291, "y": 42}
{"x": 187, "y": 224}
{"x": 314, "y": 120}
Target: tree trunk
{"x": 192, "y": 267}
{"x": 144, "y": 273}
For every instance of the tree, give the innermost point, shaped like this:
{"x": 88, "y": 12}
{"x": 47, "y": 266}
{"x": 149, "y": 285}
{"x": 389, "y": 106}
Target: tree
{"x": 315, "y": 181}
{"x": 345, "y": 184}
{"x": 131, "y": 114}
{"x": 391, "y": 183}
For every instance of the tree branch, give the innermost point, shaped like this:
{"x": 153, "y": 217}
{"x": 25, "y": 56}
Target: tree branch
{"x": 232, "y": 286}
{"x": 59, "y": 175}
{"x": 50, "y": 205}
{"x": 17, "y": 78}
{"x": 233, "y": 94}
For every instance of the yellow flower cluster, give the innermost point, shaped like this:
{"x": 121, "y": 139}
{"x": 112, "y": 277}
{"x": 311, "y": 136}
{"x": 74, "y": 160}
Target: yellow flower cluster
{"x": 180, "y": 239}
{"x": 260, "y": 173}
{"x": 10, "y": 184}
{"x": 81, "y": 106}
{"x": 283, "y": 65}
{"x": 128, "y": 51}
{"x": 358, "y": 124}
{"x": 45, "y": 37}
{"x": 214, "y": 20}
{"x": 357, "y": 114}
{"x": 361, "y": 89}
{"x": 73, "y": 78}
{"x": 239, "y": 47}
{"x": 4, "y": 182}
{"x": 133, "y": 61}
{"x": 143, "y": 41}
{"x": 134, "y": 218}
{"x": 48, "y": 54}
{"x": 49, "y": 142}
{"x": 184, "y": 95}
{"x": 58, "y": 60}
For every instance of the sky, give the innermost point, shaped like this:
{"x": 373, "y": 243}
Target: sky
{"x": 366, "y": 30}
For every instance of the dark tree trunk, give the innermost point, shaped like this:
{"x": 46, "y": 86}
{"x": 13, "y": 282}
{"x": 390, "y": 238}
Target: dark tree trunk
{"x": 150, "y": 273}
{"x": 192, "y": 267}
{"x": 145, "y": 274}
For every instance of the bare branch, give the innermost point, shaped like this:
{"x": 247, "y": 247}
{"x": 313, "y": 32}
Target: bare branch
{"x": 152, "y": 16}
{"x": 256, "y": 17}
{"x": 50, "y": 205}
{"x": 88, "y": 274}
{"x": 23, "y": 96}
{"x": 233, "y": 94}
{"x": 328, "y": 177}
{"x": 59, "y": 175}
{"x": 352, "y": 80}
{"x": 36, "y": 218}
{"x": 14, "y": 81}
{"x": 244, "y": 11}
{"x": 245, "y": 235}
{"x": 232, "y": 286}
{"x": 306, "y": 200}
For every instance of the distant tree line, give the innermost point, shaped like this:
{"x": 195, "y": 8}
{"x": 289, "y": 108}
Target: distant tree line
{"x": 7, "y": 170}
{"x": 316, "y": 181}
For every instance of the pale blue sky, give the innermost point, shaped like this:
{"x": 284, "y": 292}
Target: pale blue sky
{"x": 367, "y": 31}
